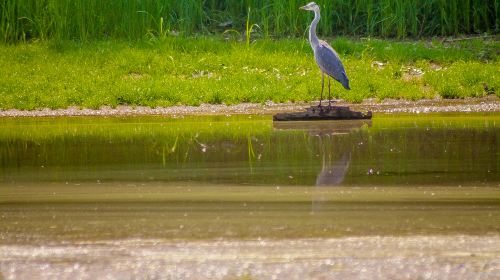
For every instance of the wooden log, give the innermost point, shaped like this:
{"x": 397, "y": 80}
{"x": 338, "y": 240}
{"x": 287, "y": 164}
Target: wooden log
{"x": 323, "y": 113}
{"x": 329, "y": 127}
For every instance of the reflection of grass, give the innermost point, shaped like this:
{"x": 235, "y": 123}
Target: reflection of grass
{"x": 123, "y": 128}
{"x": 193, "y": 71}
{"x": 435, "y": 121}
{"x": 247, "y": 150}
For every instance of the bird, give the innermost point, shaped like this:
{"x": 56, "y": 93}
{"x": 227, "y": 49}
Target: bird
{"x": 326, "y": 57}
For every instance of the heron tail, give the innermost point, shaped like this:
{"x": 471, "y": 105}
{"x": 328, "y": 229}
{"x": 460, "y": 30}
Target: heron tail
{"x": 345, "y": 83}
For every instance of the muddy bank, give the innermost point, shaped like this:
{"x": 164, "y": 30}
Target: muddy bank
{"x": 487, "y": 104}
{"x": 377, "y": 257}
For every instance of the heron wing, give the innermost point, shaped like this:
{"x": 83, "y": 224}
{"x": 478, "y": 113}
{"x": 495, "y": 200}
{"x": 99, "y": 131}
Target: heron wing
{"x": 328, "y": 60}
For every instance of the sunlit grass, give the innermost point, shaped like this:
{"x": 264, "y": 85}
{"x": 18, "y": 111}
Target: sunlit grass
{"x": 181, "y": 71}
{"x": 24, "y": 20}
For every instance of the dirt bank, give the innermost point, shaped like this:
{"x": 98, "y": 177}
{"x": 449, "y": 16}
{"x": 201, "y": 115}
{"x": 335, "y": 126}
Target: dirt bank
{"x": 486, "y": 104}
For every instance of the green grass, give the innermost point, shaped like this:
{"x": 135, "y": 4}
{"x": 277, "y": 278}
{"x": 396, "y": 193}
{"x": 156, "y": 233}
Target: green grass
{"x": 175, "y": 71}
{"x": 22, "y": 20}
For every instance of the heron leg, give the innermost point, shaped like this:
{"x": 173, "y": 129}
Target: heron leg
{"x": 322, "y": 87}
{"x": 329, "y": 96}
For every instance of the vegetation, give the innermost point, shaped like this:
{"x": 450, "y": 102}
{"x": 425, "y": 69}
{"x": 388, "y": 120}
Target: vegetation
{"x": 91, "y": 53}
{"x": 22, "y": 20}
{"x": 175, "y": 71}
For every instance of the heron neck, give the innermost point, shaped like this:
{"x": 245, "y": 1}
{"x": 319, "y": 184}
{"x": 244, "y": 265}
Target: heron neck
{"x": 313, "y": 38}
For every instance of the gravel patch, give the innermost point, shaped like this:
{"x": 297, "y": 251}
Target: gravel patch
{"x": 487, "y": 104}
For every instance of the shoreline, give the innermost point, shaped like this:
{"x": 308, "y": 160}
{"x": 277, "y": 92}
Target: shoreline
{"x": 468, "y": 105}
{"x": 381, "y": 257}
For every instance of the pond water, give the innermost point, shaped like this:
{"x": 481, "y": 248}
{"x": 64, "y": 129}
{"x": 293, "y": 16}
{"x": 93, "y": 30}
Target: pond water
{"x": 245, "y": 176}
{"x": 90, "y": 180}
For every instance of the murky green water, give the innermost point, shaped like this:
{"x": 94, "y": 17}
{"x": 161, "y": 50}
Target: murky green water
{"x": 245, "y": 177}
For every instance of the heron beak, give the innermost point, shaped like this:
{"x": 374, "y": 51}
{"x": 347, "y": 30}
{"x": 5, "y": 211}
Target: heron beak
{"x": 302, "y": 8}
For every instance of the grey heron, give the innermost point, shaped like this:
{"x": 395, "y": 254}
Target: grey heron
{"x": 326, "y": 57}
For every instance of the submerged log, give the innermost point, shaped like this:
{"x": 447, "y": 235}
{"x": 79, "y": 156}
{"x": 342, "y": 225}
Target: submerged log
{"x": 323, "y": 113}
{"x": 328, "y": 127}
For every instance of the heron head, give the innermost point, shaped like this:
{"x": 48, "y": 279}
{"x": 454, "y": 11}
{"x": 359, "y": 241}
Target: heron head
{"x": 310, "y": 7}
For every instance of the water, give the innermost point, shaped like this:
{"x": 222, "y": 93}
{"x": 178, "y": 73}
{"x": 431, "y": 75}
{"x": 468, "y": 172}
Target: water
{"x": 432, "y": 150}
{"x": 118, "y": 185}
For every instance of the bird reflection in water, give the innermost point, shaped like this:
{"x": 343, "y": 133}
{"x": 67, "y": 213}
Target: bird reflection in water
{"x": 333, "y": 169}
{"x": 333, "y": 173}
{"x": 335, "y": 155}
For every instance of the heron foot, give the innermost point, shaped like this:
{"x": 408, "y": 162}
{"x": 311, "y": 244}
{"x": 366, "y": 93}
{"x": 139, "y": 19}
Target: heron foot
{"x": 330, "y": 102}
{"x": 319, "y": 107}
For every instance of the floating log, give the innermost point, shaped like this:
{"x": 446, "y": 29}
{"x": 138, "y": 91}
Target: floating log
{"x": 329, "y": 127}
{"x": 323, "y": 113}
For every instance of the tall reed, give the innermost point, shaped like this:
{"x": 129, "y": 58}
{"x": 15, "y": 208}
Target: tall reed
{"x": 22, "y": 20}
